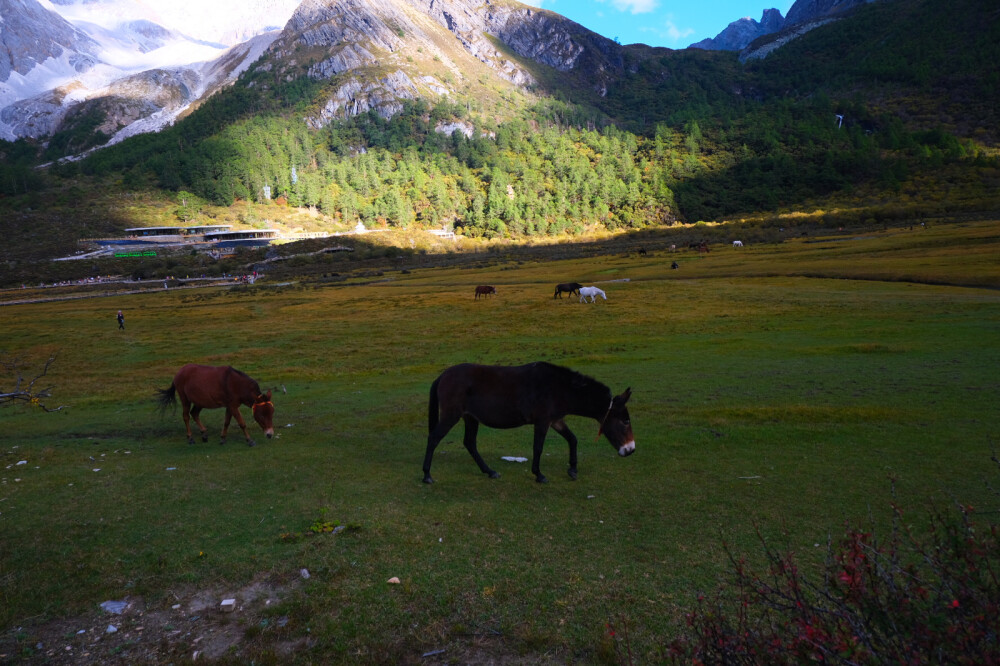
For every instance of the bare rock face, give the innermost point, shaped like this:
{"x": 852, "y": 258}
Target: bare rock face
{"x": 348, "y": 58}
{"x": 542, "y": 37}
{"x": 328, "y": 24}
{"x": 35, "y": 117}
{"x": 142, "y": 95}
{"x": 120, "y": 104}
{"x": 31, "y": 34}
{"x": 760, "y": 51}
{"x": 385, "y": 96}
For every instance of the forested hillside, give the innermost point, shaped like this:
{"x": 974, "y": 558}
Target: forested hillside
{"x": 887, "y": 114}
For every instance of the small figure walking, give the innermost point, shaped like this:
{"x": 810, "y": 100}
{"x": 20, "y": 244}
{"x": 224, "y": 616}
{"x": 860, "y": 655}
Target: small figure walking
{"x": 121, "y": 321}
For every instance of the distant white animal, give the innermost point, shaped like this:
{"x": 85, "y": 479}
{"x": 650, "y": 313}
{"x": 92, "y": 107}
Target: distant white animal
{"x": 737, "y": 243}
{"x": 840, "y": 120}
{"x": 593, "y": 292}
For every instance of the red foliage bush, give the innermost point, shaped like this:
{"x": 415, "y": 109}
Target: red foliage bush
{"x": 928, "y": 596}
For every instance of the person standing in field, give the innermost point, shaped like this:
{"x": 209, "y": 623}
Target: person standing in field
{"x": 121, "y": 321}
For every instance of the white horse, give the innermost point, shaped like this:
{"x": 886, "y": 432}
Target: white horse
{"x": 737, "y": 243}
{"x": 593, "y": 292}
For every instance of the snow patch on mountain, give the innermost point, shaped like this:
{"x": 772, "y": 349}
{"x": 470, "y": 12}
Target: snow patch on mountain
{"x": 210, "y": 75}
{"x": 222, "y": 22}
{"x": 210, "y": 42}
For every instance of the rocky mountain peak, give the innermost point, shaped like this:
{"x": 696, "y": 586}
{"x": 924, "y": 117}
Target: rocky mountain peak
{"x": 382, "y": 53}
{"x": 802, "y": 15}
{"x": 739, "y": 34}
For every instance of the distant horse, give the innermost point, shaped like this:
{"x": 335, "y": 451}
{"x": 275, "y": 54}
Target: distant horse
{"x": 570, "y": 287}
{"x": 737, "y": 243}
{"x": 208, "y": 387}
{"x": 593, "y": 292}
{"x": 642, "y": 252}
{"x": 703, "y": 248}
{"x": 540, "y": 394}
{"x": 485, "y": 290}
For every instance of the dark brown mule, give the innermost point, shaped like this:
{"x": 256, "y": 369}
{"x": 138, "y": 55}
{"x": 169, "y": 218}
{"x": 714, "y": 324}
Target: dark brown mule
{"x": 571, "y": 287}
{"x": 540, "y": 394}
{"x": 485, "y": 290}
{"x": 208, "y": 387}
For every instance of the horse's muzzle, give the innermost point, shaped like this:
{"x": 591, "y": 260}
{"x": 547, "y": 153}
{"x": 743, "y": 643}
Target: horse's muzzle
{"x": 627, "y": 449}
{"x": 269, "y": 433}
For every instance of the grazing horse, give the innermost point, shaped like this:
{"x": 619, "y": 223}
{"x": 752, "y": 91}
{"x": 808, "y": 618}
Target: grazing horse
{"x": 703, "y": 248}
{"x": 642, "y": 252}
{"x": 208, "y": 387}
{"x": 540, "y": 394}
{"x": 737, "y": 243}
{"x": 570, "y": 287}
{"x": 485, "y": 290}
{"x": 593, "y": 292}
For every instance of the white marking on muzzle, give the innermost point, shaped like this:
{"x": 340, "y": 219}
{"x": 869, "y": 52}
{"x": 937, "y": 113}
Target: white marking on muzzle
{"x": 628, "y": 448}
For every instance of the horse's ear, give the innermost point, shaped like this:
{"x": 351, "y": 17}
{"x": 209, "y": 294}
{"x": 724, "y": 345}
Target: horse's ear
{"x": 268, "y": 394}
{"x": 623, "y": 398}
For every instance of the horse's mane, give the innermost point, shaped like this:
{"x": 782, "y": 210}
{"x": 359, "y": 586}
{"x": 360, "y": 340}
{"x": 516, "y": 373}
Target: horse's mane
{"x": 576, "y": 379}
{"x": 248, "y": 377}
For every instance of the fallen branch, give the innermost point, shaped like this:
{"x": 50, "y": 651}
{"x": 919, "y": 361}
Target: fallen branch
{"x": 27, "y": 394}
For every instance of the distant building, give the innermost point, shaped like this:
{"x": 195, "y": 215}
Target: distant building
{"x": 244, "y": 238}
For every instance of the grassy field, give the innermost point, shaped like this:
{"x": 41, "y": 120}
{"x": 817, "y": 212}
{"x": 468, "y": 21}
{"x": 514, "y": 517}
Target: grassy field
{"x": 776, "y": 388}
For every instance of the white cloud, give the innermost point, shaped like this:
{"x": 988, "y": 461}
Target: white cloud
{"x": 635, "y": 6}
{"x": 667, "y": 30}
{"x": 675, "y": 33}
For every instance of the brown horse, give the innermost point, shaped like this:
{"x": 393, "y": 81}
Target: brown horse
{"x": 208, "y": 387}
{"x": 485, "y": 290}
{"x": 570, "y": 287}
{"x": 540, "y": 394}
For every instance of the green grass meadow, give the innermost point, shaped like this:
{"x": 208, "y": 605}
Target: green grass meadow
{"x": 782, "y": 389}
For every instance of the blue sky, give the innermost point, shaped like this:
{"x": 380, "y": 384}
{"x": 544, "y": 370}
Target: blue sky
{"x": 672, "y": 23}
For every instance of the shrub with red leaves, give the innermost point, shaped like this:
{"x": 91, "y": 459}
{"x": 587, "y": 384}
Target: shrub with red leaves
{"x": 920, "y": 597}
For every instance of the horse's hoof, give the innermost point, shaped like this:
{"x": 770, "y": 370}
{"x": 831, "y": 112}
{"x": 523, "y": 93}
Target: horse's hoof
{"x": 204, "y": 438}
{"x": 494, "y": 474}
{"x": 572, "y": 473}
{"x": 250, "y": 442}
{"x": 222, "y": 442}
{"x": 541, "y": 479}
{"x": 191, "y": 441}
{"x": 428, "y": 479}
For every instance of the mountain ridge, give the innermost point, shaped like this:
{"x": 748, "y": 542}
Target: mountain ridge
{"x": 358, "y": 35}
{"x": 802, "y": 15}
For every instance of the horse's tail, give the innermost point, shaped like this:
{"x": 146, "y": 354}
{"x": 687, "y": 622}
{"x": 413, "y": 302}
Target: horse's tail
{"x": 166, "y": 398}
{"x": 432, "y": 407}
